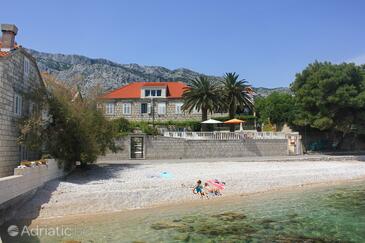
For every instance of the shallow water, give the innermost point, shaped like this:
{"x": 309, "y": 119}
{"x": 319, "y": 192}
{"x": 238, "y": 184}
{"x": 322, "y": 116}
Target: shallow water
{"x": 326, "y": 214}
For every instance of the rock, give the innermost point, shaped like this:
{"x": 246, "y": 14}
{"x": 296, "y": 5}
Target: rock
{"x": 91, "y": 74}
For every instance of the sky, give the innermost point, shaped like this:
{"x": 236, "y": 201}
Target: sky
{"x": 265, "y": 41}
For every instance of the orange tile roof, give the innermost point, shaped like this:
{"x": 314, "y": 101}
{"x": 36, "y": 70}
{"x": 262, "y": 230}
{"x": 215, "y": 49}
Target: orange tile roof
{"x": 133, "y": 90}
{"x": 155, "y": 84}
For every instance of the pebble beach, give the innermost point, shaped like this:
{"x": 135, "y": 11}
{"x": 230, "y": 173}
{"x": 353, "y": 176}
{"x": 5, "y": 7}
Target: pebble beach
{"x": 106, "y": 188}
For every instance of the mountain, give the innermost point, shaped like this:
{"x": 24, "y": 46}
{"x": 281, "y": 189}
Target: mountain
{"x": 262, "y": 91}
{"x": 106, "y": 75}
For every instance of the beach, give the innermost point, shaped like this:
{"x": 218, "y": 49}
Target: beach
{"x": 106, "y": 188}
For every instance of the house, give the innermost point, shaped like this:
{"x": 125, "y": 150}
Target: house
{"x": 146, "y": 101}
{"x": 19, "y": 76}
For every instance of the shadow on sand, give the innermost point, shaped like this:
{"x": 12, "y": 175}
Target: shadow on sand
{"x": 24, "y": 213}
{"x": 97, "y": 173}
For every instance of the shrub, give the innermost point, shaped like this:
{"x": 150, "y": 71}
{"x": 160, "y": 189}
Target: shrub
{"x": 74, "y": 130}
{"x": 192, "y": 124}
{"x": 122, "y": 127}
{"x": 144, "y": 127}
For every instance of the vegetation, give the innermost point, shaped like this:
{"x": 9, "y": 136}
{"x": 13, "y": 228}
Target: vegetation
{"x": 192, "y": 125}
{"x": 331, "y": 97}
{"x": 74, "y": 129}
{"x": 209, "y": 96}
{"x": 203, "y": 95}
{"x": 237, "y": 94}
{"x": 277, "y": 108}
{"x": 327, "y": 98}
{"x": 123, "y": 127}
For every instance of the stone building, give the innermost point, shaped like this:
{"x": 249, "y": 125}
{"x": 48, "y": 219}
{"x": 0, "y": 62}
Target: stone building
{"x": 145, "y": 101}
{"x": 19, "y": 76}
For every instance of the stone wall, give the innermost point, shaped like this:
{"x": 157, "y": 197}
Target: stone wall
{"x": 136, "y": 114}
{"x": 12, "y": 81}
{"x": 25, "y": 181}
{"x": 158, "y": 147}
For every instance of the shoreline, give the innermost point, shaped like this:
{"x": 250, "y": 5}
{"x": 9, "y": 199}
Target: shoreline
{"x": 172, "y": 206}
{"x": 106, "y": 189}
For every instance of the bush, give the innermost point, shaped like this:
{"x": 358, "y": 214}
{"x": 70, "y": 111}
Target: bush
{"x": 74, "y": 130}
{"x": 144, "y": 127}
{"x": 122, "y": 127}
{"x": 192, "y": 124}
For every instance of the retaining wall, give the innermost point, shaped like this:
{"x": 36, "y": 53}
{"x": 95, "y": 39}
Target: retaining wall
{"x": 158, "y": 147}
{"x": 16, "y": 189}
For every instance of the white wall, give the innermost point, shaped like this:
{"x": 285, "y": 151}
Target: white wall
{"x": 27, "y": 179}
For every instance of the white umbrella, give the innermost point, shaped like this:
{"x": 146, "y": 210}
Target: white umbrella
{"x": 211, "y": 121}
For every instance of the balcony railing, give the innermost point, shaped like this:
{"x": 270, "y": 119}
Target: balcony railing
{"x": 226, "y": 135}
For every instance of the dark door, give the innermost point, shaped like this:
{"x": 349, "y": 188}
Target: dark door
{"x": 137, "y": 148}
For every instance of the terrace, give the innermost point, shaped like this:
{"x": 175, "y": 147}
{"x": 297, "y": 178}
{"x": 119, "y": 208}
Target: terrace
{"x": 241, "y": 135}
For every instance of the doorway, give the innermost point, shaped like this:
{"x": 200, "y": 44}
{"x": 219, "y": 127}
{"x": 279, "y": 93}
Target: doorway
{"x": 137, "y": 148}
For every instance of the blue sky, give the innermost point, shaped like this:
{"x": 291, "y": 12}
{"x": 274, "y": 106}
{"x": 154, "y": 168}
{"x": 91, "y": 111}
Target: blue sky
{"x": 266, "y": 42}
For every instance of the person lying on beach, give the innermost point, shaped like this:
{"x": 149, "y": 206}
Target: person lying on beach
{"x": 216, "y": 187}
{"x": 208, "y": 190}
{"x": 198, "y": 189}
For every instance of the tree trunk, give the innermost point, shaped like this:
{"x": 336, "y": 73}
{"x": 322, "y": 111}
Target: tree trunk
{"x": 204, "y": 118}
{"x": 340, "y": 143}
{"x": 232, "y": 112}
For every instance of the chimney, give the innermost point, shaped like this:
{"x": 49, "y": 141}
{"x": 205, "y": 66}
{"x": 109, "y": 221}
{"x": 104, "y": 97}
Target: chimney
{"x": 8, "y": 38}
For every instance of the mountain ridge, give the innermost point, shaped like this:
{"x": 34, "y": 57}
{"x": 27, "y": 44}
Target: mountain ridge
{"x": 90, "y": 73}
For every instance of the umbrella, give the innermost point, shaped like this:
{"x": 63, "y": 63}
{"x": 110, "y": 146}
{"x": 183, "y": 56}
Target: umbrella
{"x": 235, "y": 121}
{"x": 211, "y": 121}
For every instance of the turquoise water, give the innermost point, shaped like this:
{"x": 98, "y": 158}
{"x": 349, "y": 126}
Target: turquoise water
{"x": 332, "y": 214}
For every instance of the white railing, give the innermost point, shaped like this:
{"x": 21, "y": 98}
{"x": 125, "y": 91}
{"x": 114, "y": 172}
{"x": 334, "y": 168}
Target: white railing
{"x": 225, "y": 135}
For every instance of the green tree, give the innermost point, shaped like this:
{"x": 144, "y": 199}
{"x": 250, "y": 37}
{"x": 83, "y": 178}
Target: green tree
{"x": 202, "y": 95}
{"x": 277, "y": 108}
{"x": 331, "y": 97}
{"x": 75, "y": 130}
{"x": 237, "y": 94}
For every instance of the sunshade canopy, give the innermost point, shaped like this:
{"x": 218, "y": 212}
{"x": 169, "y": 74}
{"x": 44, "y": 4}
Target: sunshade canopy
{"x": 211, "y": 121}
{"x": 234, "y": 121}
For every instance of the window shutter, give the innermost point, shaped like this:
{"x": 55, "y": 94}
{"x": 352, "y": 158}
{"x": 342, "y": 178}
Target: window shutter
{"x": 161, "y": 108}
{"x": 149, "y": 108}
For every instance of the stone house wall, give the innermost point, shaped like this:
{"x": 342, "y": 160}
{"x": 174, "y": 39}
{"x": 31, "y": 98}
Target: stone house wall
{"x": 12, "y": 82}
{"x": 136, "y": 114}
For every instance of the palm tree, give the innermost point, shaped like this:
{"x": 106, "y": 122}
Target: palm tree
{"x": 237, "y": 94}
{"x": 203, "y": 95}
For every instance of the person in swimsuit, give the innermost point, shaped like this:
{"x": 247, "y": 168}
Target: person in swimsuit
{"x": 198, "y": 189}
{"x": 208, "y": 190}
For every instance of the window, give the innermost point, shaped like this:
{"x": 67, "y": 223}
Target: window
{"x": 26, "y": 67}
{"x": 153, "y": 93}
{"x": 109, "y": 109}
{"x": 127, "y": 108}
{"x": 161, "y": 108}
{"x": 178, "y": 109}
{"x": 144, "y": 108}
{"x": 18, "y": 104}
